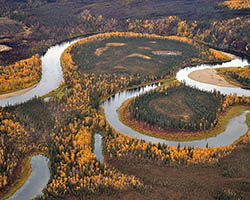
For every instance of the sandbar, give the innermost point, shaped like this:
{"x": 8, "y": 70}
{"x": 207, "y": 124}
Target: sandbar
{"x": 210, "y": 76}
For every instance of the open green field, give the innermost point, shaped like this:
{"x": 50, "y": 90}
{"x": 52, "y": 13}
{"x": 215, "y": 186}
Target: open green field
{"x": 135, "y": 55}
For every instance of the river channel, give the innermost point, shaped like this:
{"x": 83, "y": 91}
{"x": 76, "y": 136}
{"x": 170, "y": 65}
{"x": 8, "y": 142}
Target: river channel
{"x": 52, "y": 76}
{"x": 236, "y": 127}
{"x": 37, "y": 180}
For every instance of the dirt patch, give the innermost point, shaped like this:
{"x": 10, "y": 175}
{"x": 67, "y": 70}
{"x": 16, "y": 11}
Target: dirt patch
{"x": 120, "y": 67}
{"x": 209, "y": 76}
{"x": 99, "y": 51}
{"x": 4, "y": 48}
{"x": 167, "y": 53}
{"x": 139, "y": 55}
{"x": 146, "y": 48}
{"x": 115, "y": 44}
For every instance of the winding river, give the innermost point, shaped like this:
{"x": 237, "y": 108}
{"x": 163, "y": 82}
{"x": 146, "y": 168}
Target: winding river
{"x": 234, "y": 130}
{"x": 37, "y": 180}
{"x": 52, "y": 76}
{"x": 236, "y": 127}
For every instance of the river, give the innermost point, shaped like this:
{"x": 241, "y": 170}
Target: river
{"x": 182, "y": 76}
{"x": 52, "y": 76}
{"x": 37, "y": 180}
{"x": 234, "y": 130}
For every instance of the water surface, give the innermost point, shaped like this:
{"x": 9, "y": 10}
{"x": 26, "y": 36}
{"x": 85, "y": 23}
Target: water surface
{"x": 37, "y": 180}
{"x": 52, "y": 75}
{"x": 98, "y": 148}
{"x": 182, "y": 76}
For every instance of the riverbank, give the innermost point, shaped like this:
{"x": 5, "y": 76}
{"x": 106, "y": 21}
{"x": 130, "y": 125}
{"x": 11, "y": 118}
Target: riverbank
{"x": 210, "y": 76}
{"x": 18, "y": 92}
{"x": 23, "y": 175}
{"x": 155, "y": 131}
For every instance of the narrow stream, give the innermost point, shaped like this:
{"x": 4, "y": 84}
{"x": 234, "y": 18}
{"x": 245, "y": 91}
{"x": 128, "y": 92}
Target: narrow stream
{"x": 37, "y": 180}
{"x": 98, "y": 148}
{"x": 51, "y": 77}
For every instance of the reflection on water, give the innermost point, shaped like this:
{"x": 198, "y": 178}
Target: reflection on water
{"x": 37, "y": 180}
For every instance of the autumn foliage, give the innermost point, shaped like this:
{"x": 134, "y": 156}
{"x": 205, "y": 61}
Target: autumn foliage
{"x": 16, "y": 141}
{"x": 74, "y": 118}
{"x": 237, "y": 4}
{"x": 20, "y": 75}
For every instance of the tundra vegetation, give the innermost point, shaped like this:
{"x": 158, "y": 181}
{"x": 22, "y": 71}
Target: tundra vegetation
{"x": 63, "y": 128}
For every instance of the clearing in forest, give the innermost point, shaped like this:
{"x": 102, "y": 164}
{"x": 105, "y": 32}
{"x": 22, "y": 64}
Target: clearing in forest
{"x": 133, "y": 55}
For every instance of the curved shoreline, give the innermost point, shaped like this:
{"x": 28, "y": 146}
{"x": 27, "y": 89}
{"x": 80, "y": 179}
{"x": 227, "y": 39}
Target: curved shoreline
{"x": 210, "y": 76}
{"x": 18, "y": 92}
{"x": 186, "y": 136}
{"x": 23, "y": 176}
{"x": 60, "y": 66}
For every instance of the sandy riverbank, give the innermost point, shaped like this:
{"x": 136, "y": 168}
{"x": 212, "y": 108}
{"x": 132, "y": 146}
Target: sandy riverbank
{"x": 209, "y": 76}
{"x": 4, "y": 48}
{"x": 17, "y": 93}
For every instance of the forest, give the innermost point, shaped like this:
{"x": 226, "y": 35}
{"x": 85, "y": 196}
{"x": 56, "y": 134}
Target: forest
{"x": 177, "y": 107}
{"x": 20, "y": 75}
{"x": 238, "y": 76}
{"x": 30, "y": 27}
{"x": 124, "y": 45}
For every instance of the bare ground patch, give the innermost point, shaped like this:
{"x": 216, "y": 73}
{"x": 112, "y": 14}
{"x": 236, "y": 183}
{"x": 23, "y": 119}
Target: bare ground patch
{"x": 115, "y": 44}
{"x": 167, "y": 53}
{"x": 146, "y": 48}
{"x": 4, "y": 48}
{"x": 99, "y": 51}
{"x": 152, "y": 42}
{"x": 120, "y": 67}
{"x": 139, "y": 55}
